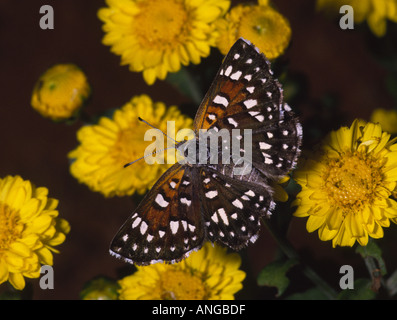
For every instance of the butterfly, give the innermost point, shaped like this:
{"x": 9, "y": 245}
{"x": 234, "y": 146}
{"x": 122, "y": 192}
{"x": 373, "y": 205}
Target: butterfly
{"x": 192, "y": 203}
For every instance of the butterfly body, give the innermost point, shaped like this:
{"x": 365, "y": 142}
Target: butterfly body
{"x": 201, "y": 200}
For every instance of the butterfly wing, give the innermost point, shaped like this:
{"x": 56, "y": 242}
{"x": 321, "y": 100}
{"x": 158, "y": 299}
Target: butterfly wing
{"x": 167, "y": 225}
{"x": 245, "y": 95}
{"x": 232, "y": 208}
{"x": 192, "y": 203}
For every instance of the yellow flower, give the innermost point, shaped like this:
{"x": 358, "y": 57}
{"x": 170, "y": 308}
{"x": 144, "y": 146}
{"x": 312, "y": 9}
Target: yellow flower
{"x": 376, "y": 12}
{"x": 347, "y": 184}
{"x": 29, "y": 230}
{"x": 261, "y": 24}
{"x": 60, "y": 92}
{"x": 107, "y": 146}
{"x": 386, "y": 118}
{"x": 208, "y": 274}
{"x": 156, "y": 36}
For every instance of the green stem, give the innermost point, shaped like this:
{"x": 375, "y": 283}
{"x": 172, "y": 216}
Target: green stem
{"x": 186, "y": 84}
{"x": 291, "y": 253}
{"x": 374, "y": 272}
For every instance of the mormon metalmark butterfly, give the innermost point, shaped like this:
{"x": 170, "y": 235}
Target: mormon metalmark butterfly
{"x": 192, "y": 203}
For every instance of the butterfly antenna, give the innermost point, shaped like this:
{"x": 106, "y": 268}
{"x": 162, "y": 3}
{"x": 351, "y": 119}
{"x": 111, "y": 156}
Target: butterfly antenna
{"x": 145, "y": 156}
{"x": 154, "y": 152}
{"x": 144, "y": 121}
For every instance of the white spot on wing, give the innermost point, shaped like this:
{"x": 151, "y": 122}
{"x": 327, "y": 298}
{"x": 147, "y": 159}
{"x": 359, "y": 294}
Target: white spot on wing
{"x": 214, "y": 218}
{"x": 250, "y": 89}
{"x": 232, "y": 122}
{"x": 250, "y": 193}
{"x": 136, "y": 222}
{"x": 223, "y": 215}
{"x": 236, "y": 75}
{"x": 211, "y": 194}
{"x": 221, "y": 100}
{"x": 143, "y": 227}
{"x": 174, "y": 225}
{"x": 212, "y": 116}
{"x": 228, "y": 71}
{"x": 264, "y": 145}
{"x": 250, "y": 103}
{"x": 268, "y": 160}
{"x": 237, "y": 203}
{"x": 186, "y": 201}
{"x": 161, "y": 201}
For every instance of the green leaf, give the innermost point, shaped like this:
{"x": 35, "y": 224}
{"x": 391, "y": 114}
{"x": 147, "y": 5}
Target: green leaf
{"x": 362, "y": 291}
{"x": 274, "y": 275}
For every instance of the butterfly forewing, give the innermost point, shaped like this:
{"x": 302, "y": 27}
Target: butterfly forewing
{"x": 245, "y": 95}
{"x": 167, "y": 225}
{"x": 244, "y": 75}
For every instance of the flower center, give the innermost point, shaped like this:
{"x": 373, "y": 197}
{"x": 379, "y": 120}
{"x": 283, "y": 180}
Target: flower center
{"x": 10, "y": 229}
{"x": 160, "y": 24}
{"x": 352, "y": 179}
{"x": 181, "y": 285}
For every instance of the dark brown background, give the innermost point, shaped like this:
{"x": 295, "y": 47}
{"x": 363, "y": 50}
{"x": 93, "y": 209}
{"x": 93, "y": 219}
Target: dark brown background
{"x": 330, "y": 60}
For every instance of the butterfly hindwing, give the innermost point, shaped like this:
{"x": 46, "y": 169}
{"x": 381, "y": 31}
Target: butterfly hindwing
{"x": 167, "y": 225}
{"x": 232, "y": 208}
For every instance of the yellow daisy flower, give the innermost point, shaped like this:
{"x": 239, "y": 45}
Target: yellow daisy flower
{"x": 260, "y": 24}
{"x": 386, "y": 118}
{"x": 347, "y": 184}
{"x": 208, "y": 274}
{"x": 157, "y": 37}
{"x": 60, "y": 92}
{"x": 107, "y": 146}
{"x": 29, "y": 230}
{"x": 375, "y": 12}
